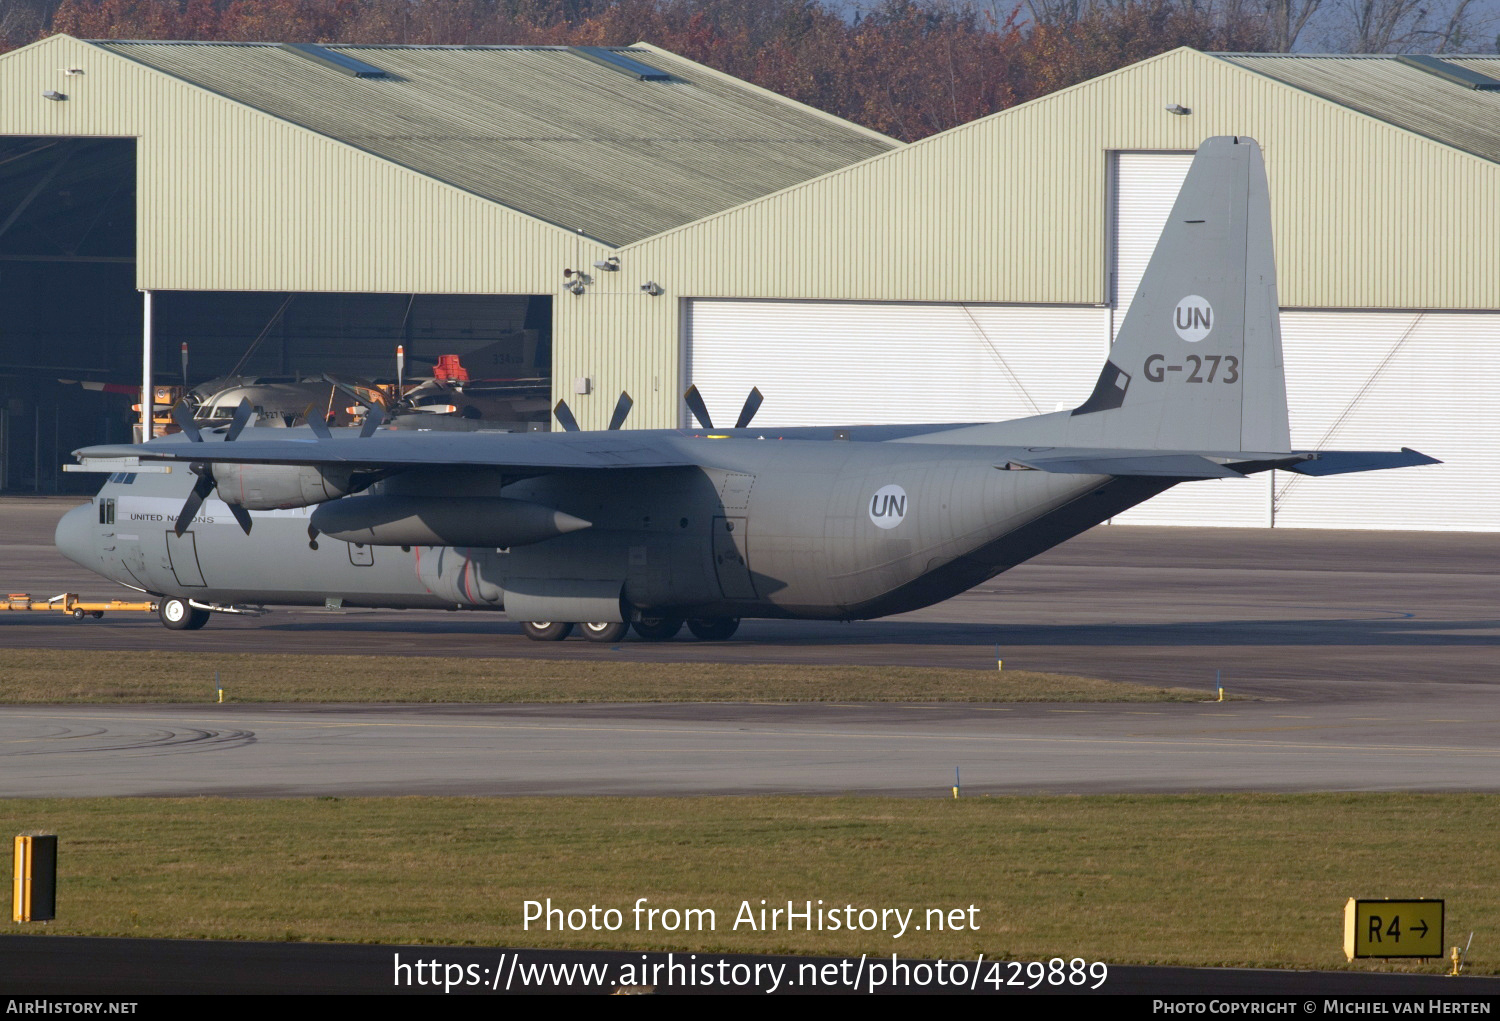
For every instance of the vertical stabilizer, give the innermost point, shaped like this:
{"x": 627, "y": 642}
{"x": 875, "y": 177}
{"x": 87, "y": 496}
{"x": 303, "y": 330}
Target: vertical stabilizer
{"x": 1197, "y": 363}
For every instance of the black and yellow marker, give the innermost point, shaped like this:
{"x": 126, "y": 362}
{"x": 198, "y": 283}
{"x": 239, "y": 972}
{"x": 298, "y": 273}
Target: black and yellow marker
{"x": 1393, "y": 928}
{"x": 35, "y": 891}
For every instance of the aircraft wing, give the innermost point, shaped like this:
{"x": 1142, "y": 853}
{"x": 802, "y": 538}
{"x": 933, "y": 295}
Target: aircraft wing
{"x": 539, "y": 452}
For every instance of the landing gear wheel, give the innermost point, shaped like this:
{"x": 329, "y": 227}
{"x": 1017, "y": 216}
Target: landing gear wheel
{"x": 713, "y": 629}
{"x": 546, "y": 630}
{"x": 658, "y": 629}
{"x": 604, "y": 631}
{"x": 179, "y": 615}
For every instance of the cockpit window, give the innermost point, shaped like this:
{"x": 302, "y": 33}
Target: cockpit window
{"x": 123, "y": 478}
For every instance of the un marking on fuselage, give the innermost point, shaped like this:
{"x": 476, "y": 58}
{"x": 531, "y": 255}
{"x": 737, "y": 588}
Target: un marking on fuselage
{"x": 1193, "y": 318}
{"x": 888, "y": 506}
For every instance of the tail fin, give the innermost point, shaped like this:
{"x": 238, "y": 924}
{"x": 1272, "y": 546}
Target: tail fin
{"x": 1197, "y": 363}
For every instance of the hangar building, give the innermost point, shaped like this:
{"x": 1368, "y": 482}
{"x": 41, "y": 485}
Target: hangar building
{"x": 980, "y": 274}
{"x": 298, "y": 209}
{"x": 977, "y": 274}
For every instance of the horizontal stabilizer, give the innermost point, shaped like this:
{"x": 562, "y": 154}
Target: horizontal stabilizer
{"x": 1169, "y": 466}
{"x": 1341, "y": 462}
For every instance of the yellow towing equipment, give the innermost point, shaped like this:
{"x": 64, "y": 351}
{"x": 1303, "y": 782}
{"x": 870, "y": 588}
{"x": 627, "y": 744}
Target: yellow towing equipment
{"x": 69, "y": 602}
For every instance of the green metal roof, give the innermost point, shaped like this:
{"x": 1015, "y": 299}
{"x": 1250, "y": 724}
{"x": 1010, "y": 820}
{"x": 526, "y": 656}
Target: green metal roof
{"x": 1398, "y": 91}
{"x": 577, "y": 137}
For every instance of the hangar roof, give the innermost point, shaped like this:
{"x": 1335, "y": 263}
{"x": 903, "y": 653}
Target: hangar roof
{"x": 1413, "y": 93}
{"x": 574, "y": 136}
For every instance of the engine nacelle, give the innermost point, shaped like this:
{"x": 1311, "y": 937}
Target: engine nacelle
{"x": 481, "y": 521}
{"x": 277, "y": 486}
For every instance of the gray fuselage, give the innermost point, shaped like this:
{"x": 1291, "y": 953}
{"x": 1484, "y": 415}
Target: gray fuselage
{"x": 776, "y": 528}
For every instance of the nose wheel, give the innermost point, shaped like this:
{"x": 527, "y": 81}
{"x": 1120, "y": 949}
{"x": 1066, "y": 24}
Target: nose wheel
{"x": 180, "y": 615}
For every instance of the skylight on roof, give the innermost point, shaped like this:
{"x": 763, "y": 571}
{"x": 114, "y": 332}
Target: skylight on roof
{"x": 1455, "y": 73}
{"x": 337, "y": 61}
{"x": 620, "y": 62}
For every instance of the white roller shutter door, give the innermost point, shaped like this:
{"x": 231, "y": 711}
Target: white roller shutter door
{"x": 1145, "y": 187}
{"x": 844, "y": 363}
{"x": 1381, "y": 381}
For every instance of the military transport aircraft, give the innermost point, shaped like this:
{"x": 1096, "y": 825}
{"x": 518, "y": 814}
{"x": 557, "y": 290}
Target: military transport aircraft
{"x": 608, "y": 529}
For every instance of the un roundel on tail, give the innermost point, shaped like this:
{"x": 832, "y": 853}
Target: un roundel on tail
{"x": 1197, "y": 362}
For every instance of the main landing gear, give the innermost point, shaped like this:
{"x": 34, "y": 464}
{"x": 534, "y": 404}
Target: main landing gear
{"x": 649, "y": 629}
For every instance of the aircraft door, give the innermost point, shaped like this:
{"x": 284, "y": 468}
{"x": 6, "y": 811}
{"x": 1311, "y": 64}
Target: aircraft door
{"x": 182, "y": 553}
{"x": 731, "y": 558}
{"x": 361, "y": 555}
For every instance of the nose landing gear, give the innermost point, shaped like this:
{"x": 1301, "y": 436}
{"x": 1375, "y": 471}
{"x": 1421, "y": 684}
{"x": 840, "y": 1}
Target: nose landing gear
{"x": 180, "y": 615}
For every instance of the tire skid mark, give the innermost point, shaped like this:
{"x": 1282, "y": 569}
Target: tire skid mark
{"x": 155, "y": 741}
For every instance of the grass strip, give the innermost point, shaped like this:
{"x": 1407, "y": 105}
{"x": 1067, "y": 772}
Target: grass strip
{"x": 1230, "y": 880}
{"x": 49, "y": 676}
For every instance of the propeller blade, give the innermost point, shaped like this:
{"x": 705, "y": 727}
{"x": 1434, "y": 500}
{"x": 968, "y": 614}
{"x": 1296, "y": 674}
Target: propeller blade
{"x": 347, "y": 390}
{"x": 622, "y": 408}
{"x": 242, "y": 416}
{"x": 241, "y": 515}
{"x": 183, "y": 416}
{"x": 752, "y": 405}
{"x": 565, "y": 417}
{"x": 314, "y": 420}
{"x": 400, "y": 370}
{"x": 374, "y": 419}
{"x": 697, "y": 407}
{"x": 201, "y": 489}
{"x": 184, "y": 366}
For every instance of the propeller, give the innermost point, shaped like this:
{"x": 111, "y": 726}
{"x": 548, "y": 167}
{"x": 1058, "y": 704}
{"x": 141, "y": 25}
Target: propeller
{"x": 316, "y": 424}
{"x": 616, "y": 420}
{"x": 695, "y": 404}
{"x": 242, "y": 416}
{"x": 753, "y": 401}
{"x": 201, "y": 489}
{"x": 374, "y": 419}
{"x": 565, "y": 417}
{"x": 183, "y": 416}
{"x": 622, "y": 408}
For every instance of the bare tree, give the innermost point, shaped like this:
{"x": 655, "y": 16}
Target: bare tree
{"x": 1407, "y": 26}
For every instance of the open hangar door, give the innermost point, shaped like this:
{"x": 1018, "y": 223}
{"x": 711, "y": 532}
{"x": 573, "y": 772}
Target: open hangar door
{"x": 236, "y": 339}
{"x": 851, "y": 363}
{"x": 1356, "y": 380}
{"x": 69, "y": 309}
{"x": 305, "y": 334}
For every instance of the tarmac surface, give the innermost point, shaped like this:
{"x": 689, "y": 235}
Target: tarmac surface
{"x": 1370, "y": 657}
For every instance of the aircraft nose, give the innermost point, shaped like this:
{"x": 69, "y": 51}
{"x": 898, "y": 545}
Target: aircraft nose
{"x": 75, "y": 536}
